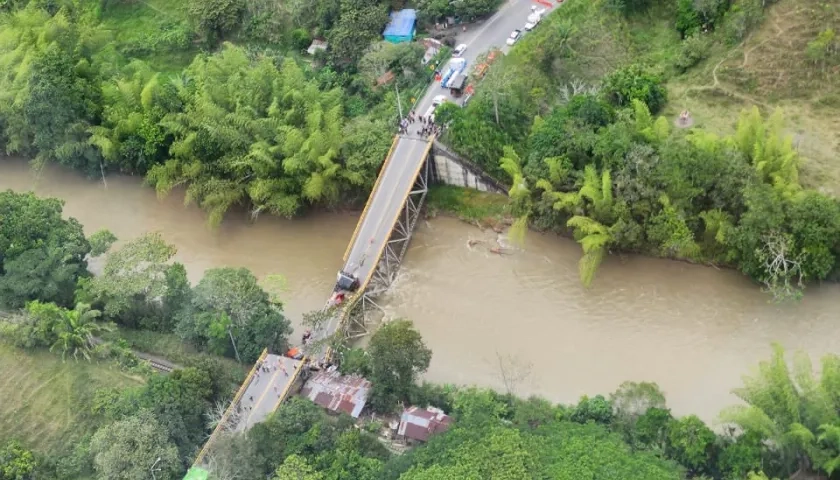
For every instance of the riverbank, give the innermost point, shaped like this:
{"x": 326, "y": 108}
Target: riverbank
{"x": 481, "y": 209}
{"x": 692, "y": 329}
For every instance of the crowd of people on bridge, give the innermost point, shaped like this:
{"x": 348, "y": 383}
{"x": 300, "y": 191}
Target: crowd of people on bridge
{"x": 427, "y": 125}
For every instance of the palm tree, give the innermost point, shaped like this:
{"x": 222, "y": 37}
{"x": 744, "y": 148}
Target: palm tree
{"x": 794, "y": 409}
{"x": 75, "y": 331}
{"x": 594, "y": 238}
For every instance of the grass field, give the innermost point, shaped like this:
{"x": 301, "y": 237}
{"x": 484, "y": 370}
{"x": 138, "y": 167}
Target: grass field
{"x": 43, "y": 402}
{"x": 481, "y": 208}
{"x": 770, "y": 69}
{"x": 156, "y": 31}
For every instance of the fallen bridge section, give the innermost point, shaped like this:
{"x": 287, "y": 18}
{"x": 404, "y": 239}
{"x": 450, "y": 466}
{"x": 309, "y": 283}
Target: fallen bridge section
{"x": 269, "y": 382}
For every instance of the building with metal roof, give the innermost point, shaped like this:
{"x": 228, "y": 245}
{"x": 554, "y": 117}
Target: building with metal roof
{"x": 417, "y": 423}
{"x": 402, "y": 26}
{"x": 336, "y": 392}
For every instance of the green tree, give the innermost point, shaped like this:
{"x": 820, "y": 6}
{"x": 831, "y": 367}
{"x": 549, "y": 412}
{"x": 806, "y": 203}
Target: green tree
{"x": 596, "y": 409}
{"x": 360, "y": 22}
{"x": 630, "y": 403}
{"x": 691, "y": 443}
{"x": 594, "y": 238}
{"x": 397, "y": 356}
{"x": 254, "y": 133}
{"x": 295, "y": 467}
{"x": 771, "y": 153}
{"x": 688, "y": 21}
{"x": 75, "y": 330}
{"x": 820, "y": 49}
{"x": 130, "y": 135}
{"x": 668, "y": 229}
{"x": 216, "y": 19}
{"x": 134, "y": 281}
{"x": 41, "y": 254}
{"x": 231, "y": 313}
{"x": 16, "y": 463}
{"x": 51, "y": 90}
{"x": 635, "y": 82}
{"x": 100, "y": 242}
{"x": 129, "y": 448}
{"x": 792, "y": 411}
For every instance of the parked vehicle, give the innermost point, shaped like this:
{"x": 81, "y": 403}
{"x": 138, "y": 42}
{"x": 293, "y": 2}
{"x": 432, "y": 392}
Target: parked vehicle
{"x": 533, "y": 20}
{"x": 514, "y": 36}
{"x": 459, "y": 50}
{"x": 436, "y": 102}
{"x": 456, "y": 66}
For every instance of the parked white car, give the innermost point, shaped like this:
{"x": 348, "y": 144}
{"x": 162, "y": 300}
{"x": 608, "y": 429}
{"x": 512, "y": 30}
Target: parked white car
{"x": 459, "y": 50}
{"x": 533, "y": 20}
{"x": 514, "y": 36}
{"x": 436, "y": 102}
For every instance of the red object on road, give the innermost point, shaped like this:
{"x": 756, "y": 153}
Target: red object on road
{"x": 545, "y": 2}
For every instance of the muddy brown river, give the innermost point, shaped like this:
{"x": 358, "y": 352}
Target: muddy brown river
{"x": 519, "y": 321}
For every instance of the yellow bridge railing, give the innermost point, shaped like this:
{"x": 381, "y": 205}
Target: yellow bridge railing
{"x": 227, "y": 413}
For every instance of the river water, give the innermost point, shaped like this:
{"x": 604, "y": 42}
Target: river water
{"x": 519, "y": 321}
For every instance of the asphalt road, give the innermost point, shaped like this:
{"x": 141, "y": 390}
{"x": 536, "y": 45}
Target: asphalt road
{"x": 399, "y": 174}
{"x": 262, "y": 395}
{"x": 481, "y": 37}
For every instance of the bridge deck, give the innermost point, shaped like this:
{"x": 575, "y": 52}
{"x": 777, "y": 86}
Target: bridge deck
{"x": 268, "y": 387}
{"x": 385, "y": 203}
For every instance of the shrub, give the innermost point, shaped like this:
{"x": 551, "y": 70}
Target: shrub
{"x": 635, "y": 82}
{"x": 215, "y": 19}
{"x": 693, "y": 50}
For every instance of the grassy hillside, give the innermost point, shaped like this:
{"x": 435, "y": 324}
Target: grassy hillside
{"x": 770, "y": 69}
{"x": 583, "y": 41}
{"x": 43, "y": 402}
{"x": 156, "y": 31}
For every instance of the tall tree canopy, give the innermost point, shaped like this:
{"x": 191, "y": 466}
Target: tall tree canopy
{"x": 398, "y": 356}
{"x": 231, "y": 313}
{"x": 254, "y": 134}
{"x": 41, "y": 254}
{"x": 128, "y": 450}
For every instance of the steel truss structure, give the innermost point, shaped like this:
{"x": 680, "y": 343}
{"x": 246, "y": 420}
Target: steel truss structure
{"x": 360, "y": 315}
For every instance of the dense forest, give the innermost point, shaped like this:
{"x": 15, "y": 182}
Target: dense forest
{"x": 214, "y": 95}
{"x": 569, "y": 119}
{"x": 217, "y": 97}
{"x": 788, "y": 422}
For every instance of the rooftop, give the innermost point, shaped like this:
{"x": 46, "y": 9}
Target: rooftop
{"x": 402, "y": 24}
{"x": 338, "y": 393}
{"x": 420, "y": 423}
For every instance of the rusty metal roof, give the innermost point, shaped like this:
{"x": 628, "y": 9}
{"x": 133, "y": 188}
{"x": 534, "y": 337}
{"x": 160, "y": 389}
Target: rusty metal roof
{"x": 338, "y": 393}
{"x": 420, "y": 423}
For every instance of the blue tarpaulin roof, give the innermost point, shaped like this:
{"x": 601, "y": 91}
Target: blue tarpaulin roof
{"x": 401, "y": 26}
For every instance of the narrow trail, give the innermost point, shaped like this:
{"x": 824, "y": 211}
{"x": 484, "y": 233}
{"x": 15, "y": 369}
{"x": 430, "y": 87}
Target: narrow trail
{"x": 716, "y": 83}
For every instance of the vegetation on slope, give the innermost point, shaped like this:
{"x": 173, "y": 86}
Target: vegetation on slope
{"x": 571, "y": 114}
{"x": 156, "y": 89}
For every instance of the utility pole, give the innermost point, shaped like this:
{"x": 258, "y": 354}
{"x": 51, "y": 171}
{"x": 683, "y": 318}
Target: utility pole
{"x": 153, "y": 469}
{"x": 232, "y": 341}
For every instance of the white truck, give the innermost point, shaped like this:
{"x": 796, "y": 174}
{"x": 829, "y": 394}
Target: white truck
{"x": 533, "y": 20}
{"x": 456, "y": 66}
